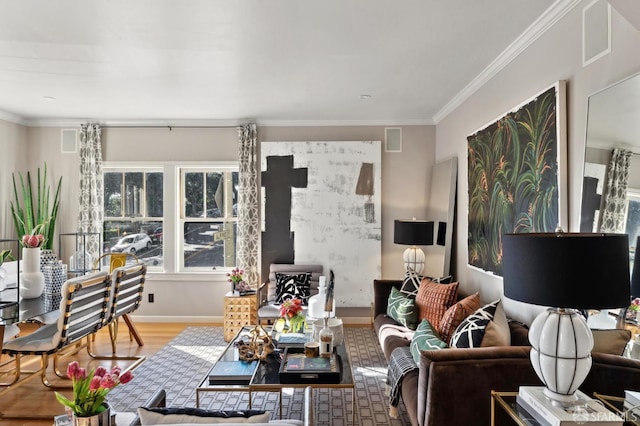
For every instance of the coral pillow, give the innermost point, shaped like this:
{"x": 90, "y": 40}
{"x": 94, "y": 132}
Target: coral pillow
{"x": 434, "y": 299}
{"x": 456, "y": 314}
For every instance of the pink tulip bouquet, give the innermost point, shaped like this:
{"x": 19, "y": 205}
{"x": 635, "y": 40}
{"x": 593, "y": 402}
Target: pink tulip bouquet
{"x": 32, "y": 240}
{"x": 35, "y": 238}
{"x": 90, "y": 389}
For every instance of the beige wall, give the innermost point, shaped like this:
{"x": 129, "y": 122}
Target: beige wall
{"x": 554, "y": 56}
{"x": 405, "y": 183}
{"x": 13, "y": 157}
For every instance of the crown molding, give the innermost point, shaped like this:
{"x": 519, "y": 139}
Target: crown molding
{"x": 327, "y": 123}
{"x": 13, "y": 118}
{"x": 549, "y": 18}
{"x": 76, "y": 122}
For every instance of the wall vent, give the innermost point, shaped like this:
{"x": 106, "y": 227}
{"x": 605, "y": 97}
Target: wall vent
{"x": 69, "y": 141}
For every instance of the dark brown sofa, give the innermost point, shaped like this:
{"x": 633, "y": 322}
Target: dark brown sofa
{"x": 453, "y": 386}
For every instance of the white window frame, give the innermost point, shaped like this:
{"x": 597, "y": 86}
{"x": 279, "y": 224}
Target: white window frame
{"x": 172, "y": 244}
{"x": 141, "y": 168}
{"x": 220, "y": 167}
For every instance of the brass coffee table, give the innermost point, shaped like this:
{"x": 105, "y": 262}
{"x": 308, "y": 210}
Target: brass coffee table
{"x": 267, "y": 378}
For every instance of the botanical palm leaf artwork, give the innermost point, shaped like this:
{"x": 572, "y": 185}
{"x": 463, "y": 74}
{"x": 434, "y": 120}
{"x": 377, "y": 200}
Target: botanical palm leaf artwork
{"x": 513, "y": 179}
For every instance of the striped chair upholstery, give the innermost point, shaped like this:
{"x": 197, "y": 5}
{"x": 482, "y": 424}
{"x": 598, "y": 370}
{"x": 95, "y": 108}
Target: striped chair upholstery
{"x": 128, "y": 287}
{"x": 83, "y": 311}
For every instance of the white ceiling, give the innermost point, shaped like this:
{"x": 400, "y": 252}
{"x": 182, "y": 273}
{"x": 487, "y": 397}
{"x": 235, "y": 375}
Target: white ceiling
{"x": 272, "y": 61}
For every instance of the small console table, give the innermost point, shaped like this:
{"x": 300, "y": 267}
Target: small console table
{"x": 238, "y": 312}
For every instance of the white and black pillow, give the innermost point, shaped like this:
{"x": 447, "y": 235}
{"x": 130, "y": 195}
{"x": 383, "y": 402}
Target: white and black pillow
{"x": 289, "y": 286}
{"x": 411, "y": 283}
{"x": 487, "y": 326}
{"x": 442, "y": 280}
{"x": 178, "y": 415}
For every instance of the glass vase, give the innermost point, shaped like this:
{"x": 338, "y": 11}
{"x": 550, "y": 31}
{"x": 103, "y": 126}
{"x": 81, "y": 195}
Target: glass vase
{"x": 295, "y": 324}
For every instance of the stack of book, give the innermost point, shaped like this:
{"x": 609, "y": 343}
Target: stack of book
{"x": 533, "y": 404}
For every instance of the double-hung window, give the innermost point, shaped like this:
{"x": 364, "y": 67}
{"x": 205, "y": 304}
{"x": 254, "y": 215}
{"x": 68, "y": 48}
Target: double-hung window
{"x": 134, "y": 213}
{"x": 208, "y": 217}
{"x": 175, "y": 217}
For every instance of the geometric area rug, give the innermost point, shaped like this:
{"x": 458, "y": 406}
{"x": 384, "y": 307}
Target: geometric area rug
{"x": 182, "y": 363}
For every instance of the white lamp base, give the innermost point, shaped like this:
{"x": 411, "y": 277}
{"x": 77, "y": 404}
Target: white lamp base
{"x": 561, "y": 352}
{"x": 414, "y": 258}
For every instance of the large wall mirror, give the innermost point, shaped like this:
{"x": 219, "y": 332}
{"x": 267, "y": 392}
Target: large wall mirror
{"x": 611, "y": 183}
{"x": 441, "y": 210}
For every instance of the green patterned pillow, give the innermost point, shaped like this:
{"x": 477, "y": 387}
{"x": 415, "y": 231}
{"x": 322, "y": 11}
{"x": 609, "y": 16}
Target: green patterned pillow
{"x": 402, "y": 309}
{"x": 425, "y": 338}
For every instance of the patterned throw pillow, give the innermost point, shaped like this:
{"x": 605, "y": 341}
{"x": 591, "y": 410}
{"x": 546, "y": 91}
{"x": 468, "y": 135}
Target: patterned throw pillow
{"x": 411, "y": 283}
{"x": 487, "y": 323}
{"x": 434, "y": 299}
{"x": 456, "y": 314}
{"x": 442, "y": 280}
{"x": 425, "y": 338}
{"x": 402, "y": 309}
{"x": 188, "y": 415}
{"x": 290, "y": 286}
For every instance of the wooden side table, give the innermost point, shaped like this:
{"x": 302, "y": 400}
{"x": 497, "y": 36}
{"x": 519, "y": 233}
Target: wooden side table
{"x": 238, "y": 312}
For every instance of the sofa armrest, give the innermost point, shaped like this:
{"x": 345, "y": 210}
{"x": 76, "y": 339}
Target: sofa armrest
{"x": 611, "y": 375}
{"x": 454, "y": 385}
{"x": 381, "y": 292}
{"x": 158, "y": 399}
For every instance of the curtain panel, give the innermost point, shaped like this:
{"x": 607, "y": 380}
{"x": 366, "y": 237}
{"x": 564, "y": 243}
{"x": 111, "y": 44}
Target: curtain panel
{"x": 614, "y": 205}
{"x": 90, "y": 211}
{"x": 248, "y": 238}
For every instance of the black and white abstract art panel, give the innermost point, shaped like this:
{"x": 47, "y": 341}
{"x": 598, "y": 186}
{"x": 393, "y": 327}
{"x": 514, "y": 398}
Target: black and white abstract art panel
{"x": 321, "y": 204}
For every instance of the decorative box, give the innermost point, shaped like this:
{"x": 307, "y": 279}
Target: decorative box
{"x": 296, "y": 368}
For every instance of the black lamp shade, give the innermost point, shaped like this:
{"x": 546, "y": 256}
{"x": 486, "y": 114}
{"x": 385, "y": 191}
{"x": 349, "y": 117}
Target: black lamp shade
{"x": 567, "y": 270}
{"x": 635, "y": 276}
{"x": 413, "y": 232}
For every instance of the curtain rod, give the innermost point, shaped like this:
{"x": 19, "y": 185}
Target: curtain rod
{"x": 107, "y": 126}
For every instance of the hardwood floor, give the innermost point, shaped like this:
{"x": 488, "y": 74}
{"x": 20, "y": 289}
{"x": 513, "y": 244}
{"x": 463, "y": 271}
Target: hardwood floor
{"x": 32, "y": 404}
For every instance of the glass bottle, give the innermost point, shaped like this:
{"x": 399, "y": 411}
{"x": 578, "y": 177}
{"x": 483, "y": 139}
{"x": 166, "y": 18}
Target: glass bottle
{"x": 326, "y": 338}
{"x": 81, "y": 260}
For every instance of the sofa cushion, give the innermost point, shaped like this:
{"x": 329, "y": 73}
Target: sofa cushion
{"x": 402, "y": 309}
{"x": 424, "y": 339}
{"x": 487, "y": 326}
{"x": 456, "y": 314}
{"x": 612, "y": 342}
{"x": 294, "y": 285}
{"x": 391, "y": 334}
{"x": 175, "y": 415}
{"x": 434, "y": 299}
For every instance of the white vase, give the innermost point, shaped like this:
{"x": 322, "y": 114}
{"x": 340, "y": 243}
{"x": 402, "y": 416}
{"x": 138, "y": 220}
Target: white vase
{"x": 32, "y": 278}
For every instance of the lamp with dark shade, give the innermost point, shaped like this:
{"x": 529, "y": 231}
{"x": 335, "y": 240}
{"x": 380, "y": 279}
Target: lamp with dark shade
{"x": 413, "y": 233}
{"x": 569, "y": 272}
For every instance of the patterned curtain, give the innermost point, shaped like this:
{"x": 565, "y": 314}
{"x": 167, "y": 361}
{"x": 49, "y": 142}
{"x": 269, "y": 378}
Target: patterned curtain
{"x": 90, "y": 214}
{"x": 612, "y": 218}
{"x": 248, "y": 238}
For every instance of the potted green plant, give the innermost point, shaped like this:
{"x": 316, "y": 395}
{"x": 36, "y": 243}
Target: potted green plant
{"x": 32, "y": 209}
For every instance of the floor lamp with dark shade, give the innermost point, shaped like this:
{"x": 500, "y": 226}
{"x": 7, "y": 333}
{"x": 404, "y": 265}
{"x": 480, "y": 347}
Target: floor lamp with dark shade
{"x": 568, "y": 272}
{"x": 413, "y": 232}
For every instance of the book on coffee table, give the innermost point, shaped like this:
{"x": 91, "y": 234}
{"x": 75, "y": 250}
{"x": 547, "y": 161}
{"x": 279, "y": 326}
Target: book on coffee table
{"x": 583, "y": 411}
{"x": 232, "y": 372}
